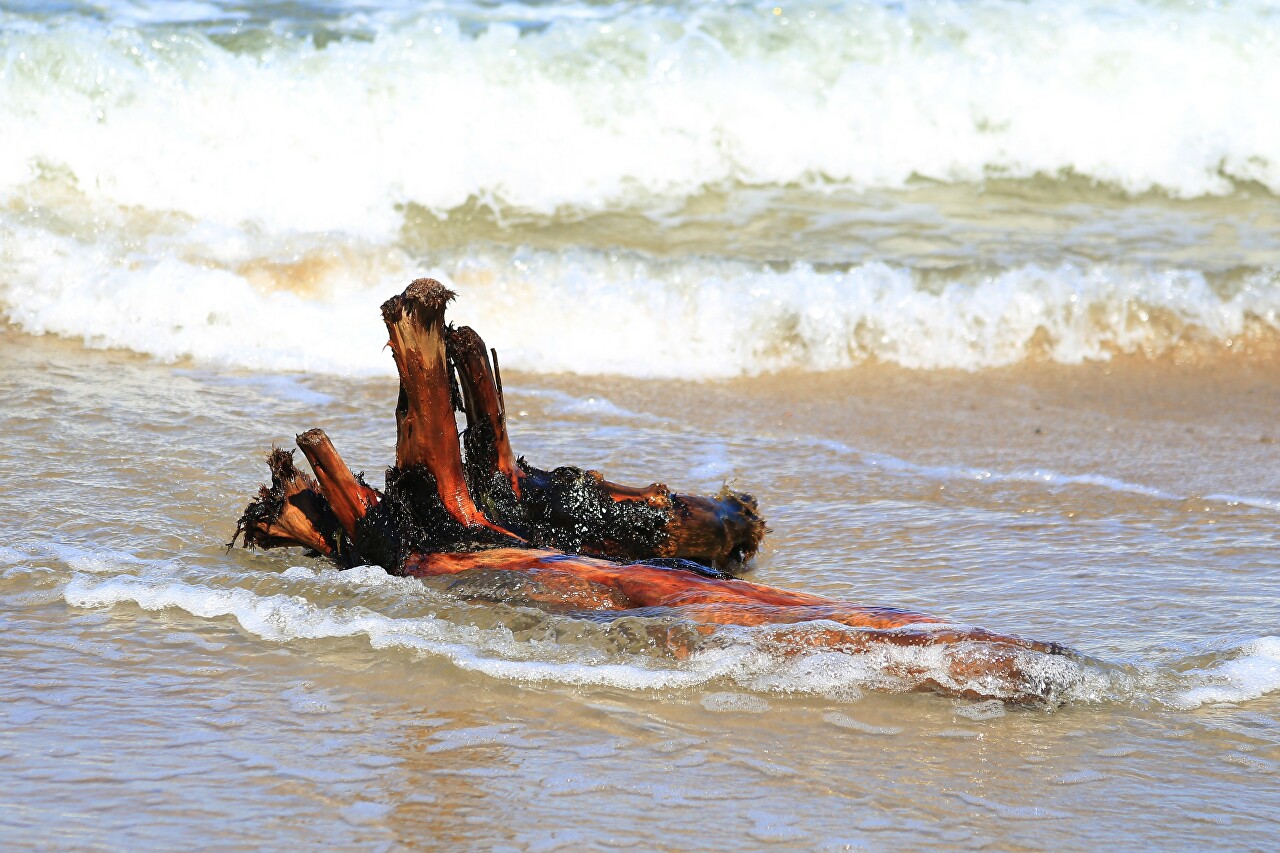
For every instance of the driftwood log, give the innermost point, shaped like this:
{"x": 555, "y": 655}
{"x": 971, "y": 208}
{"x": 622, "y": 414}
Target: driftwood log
{"x": 568, "y": 539}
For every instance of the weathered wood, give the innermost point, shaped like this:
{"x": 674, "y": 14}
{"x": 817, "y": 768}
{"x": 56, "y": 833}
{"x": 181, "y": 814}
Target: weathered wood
{"x": 589, "y": 584}
{"x": 291, "y": 511}
{"x": 426, "y": 433}
{"x": 349, "y": 498}
{"x": 488, "y": 446}
{"x": 575, "y": 510}
{"x": 426, "y": 523}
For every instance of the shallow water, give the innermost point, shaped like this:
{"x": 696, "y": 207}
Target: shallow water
{"x": 161, "y": 690}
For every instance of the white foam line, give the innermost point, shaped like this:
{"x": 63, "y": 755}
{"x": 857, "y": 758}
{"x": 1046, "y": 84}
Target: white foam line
{"x": 1233, "y": 500}
{"x": 216, "y": 295}
{"x": 1255, "y": 672}
{"x": 282, "y": 618}
{"x": 99, "y": 560}
{"x": 283, "y": 386}
{"x": 895, "y": 465}
{"x": 711, "y": 95}
{"x": 594, "y": 404}
{"x": 740, "y": 656}
{"x": 13, "y": 556}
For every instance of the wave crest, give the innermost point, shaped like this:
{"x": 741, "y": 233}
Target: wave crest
{"x": 605, "y": 313}
{"x": 333, "y": 125}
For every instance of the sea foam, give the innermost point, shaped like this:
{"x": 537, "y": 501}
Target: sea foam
{"x": 305, "y": 604}
{"x": 335, "y": 122}
{"x": 606, "y": 313}
{"x": 190, "y": 182}
{"x": 1251, "y": 671}
{"x": 744, "y": 657}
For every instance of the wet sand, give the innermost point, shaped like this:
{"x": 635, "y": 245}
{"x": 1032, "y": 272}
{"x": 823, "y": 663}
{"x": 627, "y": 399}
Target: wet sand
{"x": 1194, "y": 429}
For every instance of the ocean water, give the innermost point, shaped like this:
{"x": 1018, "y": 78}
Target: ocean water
{"x": 981, "y": 300}
{"x": 684, "y": 190}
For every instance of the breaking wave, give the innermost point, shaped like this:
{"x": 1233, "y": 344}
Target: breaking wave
{"x": 335, "y": 118}
{"x": 606, "y": 313}
{"x": 200, "y": 181}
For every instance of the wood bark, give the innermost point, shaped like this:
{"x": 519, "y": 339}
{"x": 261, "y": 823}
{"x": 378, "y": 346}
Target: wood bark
{"x": 291, "y": 511}
{"x": 349, "y": 498}
{"x": 426, "y": 435}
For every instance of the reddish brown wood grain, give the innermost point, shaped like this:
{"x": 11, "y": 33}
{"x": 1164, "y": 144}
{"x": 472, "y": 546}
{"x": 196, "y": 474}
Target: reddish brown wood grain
{"x": 426, "y": 434}
{"x": 488, "y": 445}
{"x": 585, "y": 583}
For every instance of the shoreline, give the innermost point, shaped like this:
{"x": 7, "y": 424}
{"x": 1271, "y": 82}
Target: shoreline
{"x": 1189, "y": 429}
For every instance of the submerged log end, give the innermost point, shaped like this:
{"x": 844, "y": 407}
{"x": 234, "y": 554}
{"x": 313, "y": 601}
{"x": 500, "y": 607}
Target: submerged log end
{"x": 289, "y": 512}
{"x": 981, "y": 664}
{"x": 579, "y": 511}
{"x": 724, "y": 531}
